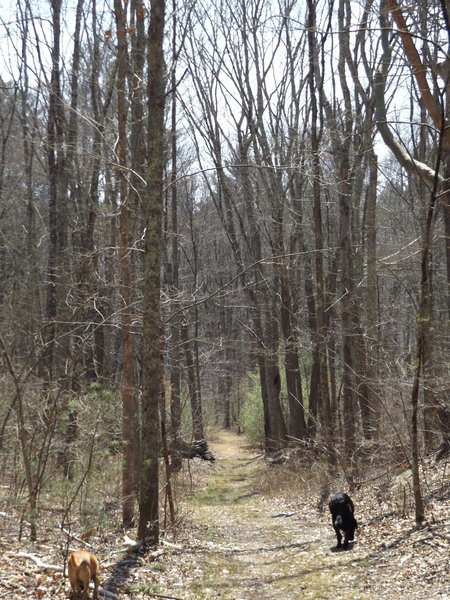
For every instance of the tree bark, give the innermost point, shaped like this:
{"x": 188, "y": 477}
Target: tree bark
{"x": 194, "y": 396}
{"x": 320, "y": 367}
{"x": 128, "y": 422}
{"x": 175, "y": 355}
{"x": 423, "y": 327}
{"x": 148, "y": 527}
{"x": 56, "y": 206}
{"x": 372, "y": 286}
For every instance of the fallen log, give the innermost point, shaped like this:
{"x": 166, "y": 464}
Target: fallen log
{"x": 35, "y": 559}
{"x": 195, "y": 449}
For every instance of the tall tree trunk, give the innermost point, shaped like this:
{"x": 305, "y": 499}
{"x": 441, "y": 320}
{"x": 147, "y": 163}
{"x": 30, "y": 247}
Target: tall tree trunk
{"x": 276, "y": 426}
{"x": 148, "y": 527}
{"x": 136, "y": 190}
{"x": 371, "y": 289}
{"x": 346, "y": 312}
{"x": 342, "y": 140}
{"x": 57, "y": 205}
{"x": 320, "y": 353}
{"x": 75, "y": 367}
{"x": 175, "y": 356}
{"x": 128, "y": 430}
{"x": 32, "y": 291}
{"x": 423, "y": 330}
{"x": 99, "y": 362}
{"x": 315, "y": 390}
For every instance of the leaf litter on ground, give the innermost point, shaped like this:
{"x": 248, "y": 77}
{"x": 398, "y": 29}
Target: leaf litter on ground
{"x": 232, "y": 542}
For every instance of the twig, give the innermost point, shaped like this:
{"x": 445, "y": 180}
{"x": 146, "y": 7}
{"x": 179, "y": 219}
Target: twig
{"x": 156, "y": 554}
{"x": 107, "y": 594}
{"x": 74, "y": 537}
{"x": 165, "y": 597}
{"x": 36, "y": 559}
{"x": 171, "y": 545}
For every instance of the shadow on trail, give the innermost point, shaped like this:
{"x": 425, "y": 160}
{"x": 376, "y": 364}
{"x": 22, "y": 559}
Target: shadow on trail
{"x": 244, "y": 497}
{"x": 304, "y": 546}
{"x": 342, "y": 549}
{"x": 121, "y": 571}
{"x": 322, "y": 568}
{"x": 301, "y": 546}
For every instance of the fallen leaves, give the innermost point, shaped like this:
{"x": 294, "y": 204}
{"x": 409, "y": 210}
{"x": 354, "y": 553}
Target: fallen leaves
{"x": 243, "y": 546}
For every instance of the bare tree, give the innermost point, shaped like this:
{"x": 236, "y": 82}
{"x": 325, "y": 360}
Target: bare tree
{"x": 435, "y": 106}
{"x": 125, "y": 261}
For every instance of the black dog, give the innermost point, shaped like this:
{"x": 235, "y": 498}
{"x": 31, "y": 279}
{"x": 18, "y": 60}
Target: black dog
{"x": 342, "y": 514}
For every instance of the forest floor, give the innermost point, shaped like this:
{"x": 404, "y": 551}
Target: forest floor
{"x": 247, "y": 532}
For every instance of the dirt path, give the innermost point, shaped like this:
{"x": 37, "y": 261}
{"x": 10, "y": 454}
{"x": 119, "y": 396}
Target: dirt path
{"x": 239, "y": 547}
{"x": 242, "y": 551}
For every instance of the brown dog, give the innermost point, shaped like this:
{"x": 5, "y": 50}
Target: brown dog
{"x": 83, "y": 567}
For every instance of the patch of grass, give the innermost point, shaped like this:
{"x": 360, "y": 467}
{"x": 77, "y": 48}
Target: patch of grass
{"x": 316, "y": 576}
{"x": 199, "y": 592}
{"x": 230, "y": 485}
{"x": 243, "y": 552}
{"x": 141, "y": 587}
{"x": 218, "y": 580}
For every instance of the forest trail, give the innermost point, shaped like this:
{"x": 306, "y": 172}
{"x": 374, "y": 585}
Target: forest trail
{"x": 243, "y": 549}
{"x": 244, "y": 532}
